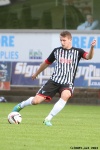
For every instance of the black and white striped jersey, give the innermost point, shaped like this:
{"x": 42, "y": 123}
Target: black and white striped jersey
{"x": 66, "y": 63}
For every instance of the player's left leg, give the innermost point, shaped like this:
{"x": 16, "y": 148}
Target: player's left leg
{"x": 59, "y": 105}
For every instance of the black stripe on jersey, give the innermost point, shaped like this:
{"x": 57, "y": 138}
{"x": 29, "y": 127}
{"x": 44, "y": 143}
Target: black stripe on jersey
{"x": 66, "y": 62}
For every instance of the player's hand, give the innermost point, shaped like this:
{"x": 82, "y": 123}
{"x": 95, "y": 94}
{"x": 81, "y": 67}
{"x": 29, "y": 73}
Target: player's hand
{"x": 33, "y": 76}
{"x": 93, "y": 43}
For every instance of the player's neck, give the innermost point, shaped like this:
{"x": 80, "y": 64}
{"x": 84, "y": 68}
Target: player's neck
{"x": 68, "y": 47}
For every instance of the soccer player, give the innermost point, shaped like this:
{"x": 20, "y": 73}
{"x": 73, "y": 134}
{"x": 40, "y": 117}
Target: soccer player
{"x": 66, "y": 60}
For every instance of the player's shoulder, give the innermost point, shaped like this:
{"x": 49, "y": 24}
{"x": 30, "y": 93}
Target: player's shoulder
{"x": 57, "y": 49}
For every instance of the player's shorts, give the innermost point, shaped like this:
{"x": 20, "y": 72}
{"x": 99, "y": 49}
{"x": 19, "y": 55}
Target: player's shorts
{"x": 49, "y": 89}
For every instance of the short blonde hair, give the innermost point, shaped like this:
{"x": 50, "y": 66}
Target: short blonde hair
{"x": 66, "y": 33}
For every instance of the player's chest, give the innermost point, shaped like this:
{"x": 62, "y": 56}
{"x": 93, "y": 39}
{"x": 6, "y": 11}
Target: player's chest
{"x": 65, "y": 57}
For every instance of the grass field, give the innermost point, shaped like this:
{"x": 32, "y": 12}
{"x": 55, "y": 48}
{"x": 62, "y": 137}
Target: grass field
{"x": 76, "y": 127}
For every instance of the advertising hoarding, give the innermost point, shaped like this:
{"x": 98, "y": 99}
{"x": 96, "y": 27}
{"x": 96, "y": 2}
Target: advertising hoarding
{"x": 88, "y": 75}
{"x": 27, "y": 50}
{"x": 35, "y": 47}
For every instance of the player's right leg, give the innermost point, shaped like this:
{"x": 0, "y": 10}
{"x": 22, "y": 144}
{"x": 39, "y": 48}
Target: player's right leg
{"x": 30, "y": 101}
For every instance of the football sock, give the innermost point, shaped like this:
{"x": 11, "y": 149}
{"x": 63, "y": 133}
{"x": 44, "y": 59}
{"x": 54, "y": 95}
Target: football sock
{"x": 26, "y": 102}
{"x": 56, "y": 109}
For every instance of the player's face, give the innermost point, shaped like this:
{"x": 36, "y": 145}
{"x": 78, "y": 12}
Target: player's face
{"x": 66, "y": 42}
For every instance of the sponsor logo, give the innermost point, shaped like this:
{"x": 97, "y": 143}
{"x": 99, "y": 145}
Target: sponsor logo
{"x": 87, "y": 74}
{"x": 27, "y": 69}
{"x": 64, "y": 60}
{"x": 35, "y": 54}
{"x": 85, "y": 41}
{"x": 90, "y": 73}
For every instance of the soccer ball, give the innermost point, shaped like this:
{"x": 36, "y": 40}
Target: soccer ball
{"x": 14, "y": 118}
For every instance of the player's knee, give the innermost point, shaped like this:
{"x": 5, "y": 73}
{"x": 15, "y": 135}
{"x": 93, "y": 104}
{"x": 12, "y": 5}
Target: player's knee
{"x": 65, "y": 98}
{"x": 37, "y": 100}
{"x": 66, "y": 95}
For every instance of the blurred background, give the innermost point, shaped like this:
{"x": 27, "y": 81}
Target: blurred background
{"x": 29, "y": 31}
{"x": 46, "y": 14}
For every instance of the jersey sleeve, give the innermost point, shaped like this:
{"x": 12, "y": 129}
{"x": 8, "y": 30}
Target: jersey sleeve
{"x": 83, "y": 53}
{"x": 51, "y": 58}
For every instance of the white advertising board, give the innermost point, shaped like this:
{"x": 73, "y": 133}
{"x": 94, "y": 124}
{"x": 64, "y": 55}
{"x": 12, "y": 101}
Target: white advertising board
{"x": 36, "y": 47}
{"x": 24, "y": 47}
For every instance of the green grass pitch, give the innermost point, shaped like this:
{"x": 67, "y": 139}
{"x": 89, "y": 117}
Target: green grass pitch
{"x": 75, "y": 127}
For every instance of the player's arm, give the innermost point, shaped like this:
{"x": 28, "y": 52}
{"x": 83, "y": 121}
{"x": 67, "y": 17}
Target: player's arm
{"x": 42, "y": 67}
{"x": 90, "y": 54}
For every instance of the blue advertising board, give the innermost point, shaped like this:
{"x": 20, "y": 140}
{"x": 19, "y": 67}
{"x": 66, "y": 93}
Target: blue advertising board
{"x": 22, "y": 72}
{"x": 88, "y": 74}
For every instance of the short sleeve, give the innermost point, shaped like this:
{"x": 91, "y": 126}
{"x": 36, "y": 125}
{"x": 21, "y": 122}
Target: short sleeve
{"x": 83, "y": 53}
{"x": 51, "y": 58}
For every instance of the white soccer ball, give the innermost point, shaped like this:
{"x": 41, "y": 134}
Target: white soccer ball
{"x": 14, "y": 118}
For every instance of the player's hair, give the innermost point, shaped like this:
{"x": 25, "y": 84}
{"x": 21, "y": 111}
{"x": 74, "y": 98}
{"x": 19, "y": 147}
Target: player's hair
{"x": 66, "y": 33}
